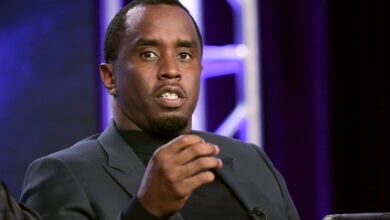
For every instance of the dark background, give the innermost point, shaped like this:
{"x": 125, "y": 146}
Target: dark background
{"x": 49, "y": 74}
{"x": 322, "y": 84}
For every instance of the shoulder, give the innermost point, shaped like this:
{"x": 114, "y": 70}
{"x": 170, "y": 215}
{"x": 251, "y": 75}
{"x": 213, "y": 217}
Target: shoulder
{"x": 73, "y": 167}
{"x": 86, "y": 151}
{"x": 85, "y": 148}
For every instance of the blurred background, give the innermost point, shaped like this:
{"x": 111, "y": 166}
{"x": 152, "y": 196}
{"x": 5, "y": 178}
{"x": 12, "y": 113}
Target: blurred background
{"x": 319, "y": 99}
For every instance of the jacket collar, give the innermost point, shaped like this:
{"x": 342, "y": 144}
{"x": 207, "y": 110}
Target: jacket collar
{"x": 123, "y": 164}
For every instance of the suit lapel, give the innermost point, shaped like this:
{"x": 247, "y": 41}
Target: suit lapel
{"x": 123, "y": 164}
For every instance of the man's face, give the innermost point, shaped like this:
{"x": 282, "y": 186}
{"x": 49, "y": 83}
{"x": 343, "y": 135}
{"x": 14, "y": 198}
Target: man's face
{"x": 157, "y": 72}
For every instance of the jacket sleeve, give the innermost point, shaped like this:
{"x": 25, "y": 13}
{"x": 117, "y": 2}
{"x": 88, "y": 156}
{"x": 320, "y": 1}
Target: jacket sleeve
{"x": 135, "y": 210}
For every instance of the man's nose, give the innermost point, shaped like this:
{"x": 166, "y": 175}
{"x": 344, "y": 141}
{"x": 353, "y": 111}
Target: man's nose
{"x": 169, "y": 68}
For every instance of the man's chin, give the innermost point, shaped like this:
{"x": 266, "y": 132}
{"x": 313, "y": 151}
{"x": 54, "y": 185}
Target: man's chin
{"x": 168, "y": 127}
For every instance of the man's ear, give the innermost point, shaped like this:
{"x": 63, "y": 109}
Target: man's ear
{"x": 107, "y": 75}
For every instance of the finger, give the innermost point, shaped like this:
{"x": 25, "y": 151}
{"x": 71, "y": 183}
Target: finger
{"x": 180, "y": 143}
{"x": 199, "y": 165}
{"x": 202, "y": 164}
{"x": 198, "y": 180}
{"x": 195, "y": 151}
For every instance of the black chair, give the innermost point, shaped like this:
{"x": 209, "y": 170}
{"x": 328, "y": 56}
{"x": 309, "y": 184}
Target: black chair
{"x": 358, "y": 216}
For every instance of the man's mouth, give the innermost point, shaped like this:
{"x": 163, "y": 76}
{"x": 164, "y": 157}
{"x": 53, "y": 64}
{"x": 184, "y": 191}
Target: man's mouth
{"x": 169, "y": 95}
{"x": 170, "y": 99}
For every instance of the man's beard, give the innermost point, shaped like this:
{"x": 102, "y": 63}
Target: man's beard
{"x": 168, "y": 127}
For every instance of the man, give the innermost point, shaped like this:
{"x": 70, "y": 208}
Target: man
{"x": 148, "y": 164}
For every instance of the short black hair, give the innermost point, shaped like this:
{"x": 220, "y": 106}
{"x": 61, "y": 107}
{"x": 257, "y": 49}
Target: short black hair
{"x": 116, "y": 28}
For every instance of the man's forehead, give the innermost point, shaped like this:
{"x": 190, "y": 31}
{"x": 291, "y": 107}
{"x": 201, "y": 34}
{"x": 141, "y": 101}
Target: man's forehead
{"x": 146, "y": 16}
{"x": 139, "y": 11}
{"x": 134, "y": 15}
{"x": 144, "y": 23}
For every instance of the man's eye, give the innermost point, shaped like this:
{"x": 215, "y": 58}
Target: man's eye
{"x": 149, "y": 55}
{"x": 184, "y": 56}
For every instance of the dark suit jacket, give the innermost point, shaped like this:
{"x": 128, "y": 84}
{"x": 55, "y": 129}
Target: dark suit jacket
{"x": 97, "y": 177}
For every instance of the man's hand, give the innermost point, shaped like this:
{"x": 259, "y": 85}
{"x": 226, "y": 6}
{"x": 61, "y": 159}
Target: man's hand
{"x": 175, "y": 170}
